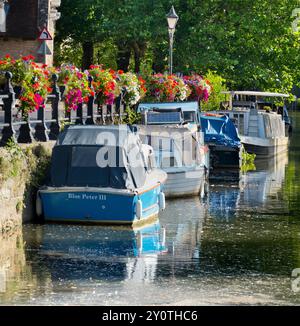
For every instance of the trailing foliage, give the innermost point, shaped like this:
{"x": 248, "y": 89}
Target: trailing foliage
{"x": 248, "y": 161}
{"x": 28, "y": 162}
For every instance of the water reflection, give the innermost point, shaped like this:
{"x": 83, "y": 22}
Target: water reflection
{"x": 253, "y": 192}
{"x": 14, "y": 271}
{"x": 93, "y": 252}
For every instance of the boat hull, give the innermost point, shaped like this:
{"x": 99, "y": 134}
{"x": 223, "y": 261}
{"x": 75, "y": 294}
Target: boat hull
{"x": 184, "y": 183}
{"x": 225, "y": 157}
{"x": 265, "y": 148}
{"x": 99, "y": 206}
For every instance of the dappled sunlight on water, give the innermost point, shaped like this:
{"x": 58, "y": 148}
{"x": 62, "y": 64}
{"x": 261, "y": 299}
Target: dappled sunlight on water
{"x": 239, "y": 246}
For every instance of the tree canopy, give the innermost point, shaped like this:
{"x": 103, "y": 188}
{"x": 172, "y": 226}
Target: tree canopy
{"x": 248, "y": 42}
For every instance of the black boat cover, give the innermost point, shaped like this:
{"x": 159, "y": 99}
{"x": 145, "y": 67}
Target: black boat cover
{"x": 98, "y": 156}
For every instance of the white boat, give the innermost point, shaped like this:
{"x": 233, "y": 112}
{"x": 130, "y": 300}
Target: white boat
{"x": 261, "y": 130}
{"x": 178, "y": 153}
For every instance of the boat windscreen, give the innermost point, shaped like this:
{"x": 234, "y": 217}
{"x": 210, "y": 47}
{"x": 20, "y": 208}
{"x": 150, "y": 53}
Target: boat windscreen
{"x": 93, "y": 166}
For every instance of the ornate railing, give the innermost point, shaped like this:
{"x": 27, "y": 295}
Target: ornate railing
{"x": 37, "y": 129}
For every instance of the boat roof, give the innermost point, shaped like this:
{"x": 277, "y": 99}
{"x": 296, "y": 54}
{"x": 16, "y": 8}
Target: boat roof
{"x": 184, "y": 106}
{"x": 252, "y": 93}
{"x": 97, "y": 135}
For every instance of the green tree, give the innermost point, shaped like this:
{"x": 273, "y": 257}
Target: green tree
{"x": 80, "y": 27}
{"x": 249, "y": 42}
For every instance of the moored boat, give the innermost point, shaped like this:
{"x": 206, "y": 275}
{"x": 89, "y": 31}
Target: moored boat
{"x": 99, "y": 175}
{"x": 262, "y": 131}
{"x": 173, "y": 131}
{"x": 178, "y": 153}
{"x": 224, "y": 144}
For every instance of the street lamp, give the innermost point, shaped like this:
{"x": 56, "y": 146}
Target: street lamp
{"x": 172, "y": 19}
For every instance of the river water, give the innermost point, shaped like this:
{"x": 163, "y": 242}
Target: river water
{"x": 239, "y": 246}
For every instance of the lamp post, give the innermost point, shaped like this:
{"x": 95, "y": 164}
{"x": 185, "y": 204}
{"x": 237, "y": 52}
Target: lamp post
{"x": 172, "y": 19}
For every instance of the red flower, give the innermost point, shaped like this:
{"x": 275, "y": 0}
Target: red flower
{"x": 8, "y": 56}
{"x": 36, "y": 85}
{"x": 120, "y": 72}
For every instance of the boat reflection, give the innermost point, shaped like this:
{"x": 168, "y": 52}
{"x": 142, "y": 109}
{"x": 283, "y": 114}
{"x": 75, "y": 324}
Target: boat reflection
{"x": 265, "y": 182}
{"x": 106, "y": 253}
{"x": 252, "y": 192}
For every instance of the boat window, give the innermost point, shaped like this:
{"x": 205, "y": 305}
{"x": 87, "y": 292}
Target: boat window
{"x": 239, "y": 122}
{"x": 189, "y": 116}
{"x": 164, "y": 118}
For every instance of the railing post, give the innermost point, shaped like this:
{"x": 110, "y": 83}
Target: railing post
{"x": 55, "y": 126}
{"x": 8, "y": 132}
{"x": 117, "y": 109}
{"x": 41, "y": 130}
{"x": 90, "y": 106}
{"x": 122, "y": 112}
{"x": 68, "y": 115}
{"x": 109, "y": 114}
{"x": 26, "y": 131}
{"x": 79, "y": 115}
{"x": 113, "y": 113}
{"x": 104, "y": 114}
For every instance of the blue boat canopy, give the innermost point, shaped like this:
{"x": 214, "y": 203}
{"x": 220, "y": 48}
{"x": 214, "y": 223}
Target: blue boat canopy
{"x": 219, "y": 130}
{"x": 98, "y": 156}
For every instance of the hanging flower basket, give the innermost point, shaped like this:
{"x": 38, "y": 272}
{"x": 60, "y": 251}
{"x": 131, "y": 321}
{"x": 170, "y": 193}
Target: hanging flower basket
{"x": 30, "y": 80}
{"x": 200, "y": 88}
{"x": 166, "y": 88}
{"x": 74, "y": 86}
{"x": 105, "y": 85}
{"x": 133, "y": 88}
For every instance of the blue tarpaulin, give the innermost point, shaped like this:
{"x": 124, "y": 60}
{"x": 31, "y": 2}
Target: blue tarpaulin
{"x": 219, "y": 130}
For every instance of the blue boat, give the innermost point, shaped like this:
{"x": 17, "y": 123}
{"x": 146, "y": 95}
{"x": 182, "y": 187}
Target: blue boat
{"x": 101, "y": 174}
{"x": 224, "y": 143}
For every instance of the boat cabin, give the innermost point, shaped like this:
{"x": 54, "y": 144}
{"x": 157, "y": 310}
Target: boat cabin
{"x": 255, "y": 117}
{"x": 177, "y": 113}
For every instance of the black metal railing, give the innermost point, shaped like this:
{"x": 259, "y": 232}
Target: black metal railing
{"x": 37, "y": 129}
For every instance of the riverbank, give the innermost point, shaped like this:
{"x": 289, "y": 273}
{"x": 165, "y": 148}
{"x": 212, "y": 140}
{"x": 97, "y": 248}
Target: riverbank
{"x": 23, "y": 168}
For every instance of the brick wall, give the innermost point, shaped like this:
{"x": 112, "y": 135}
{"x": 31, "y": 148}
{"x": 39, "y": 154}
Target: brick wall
{"x": 17, "y": 47}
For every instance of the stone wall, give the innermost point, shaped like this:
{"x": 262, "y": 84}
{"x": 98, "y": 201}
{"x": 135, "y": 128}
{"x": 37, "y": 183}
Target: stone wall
{"x": 18, "y": 175}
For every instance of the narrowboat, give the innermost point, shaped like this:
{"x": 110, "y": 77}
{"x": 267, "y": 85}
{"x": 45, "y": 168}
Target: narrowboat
{"x": 221, "y": 135}
{"x": 173, "y": 130}
{"x": 262, "y": 131}
{"x": 99, "y": 174}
